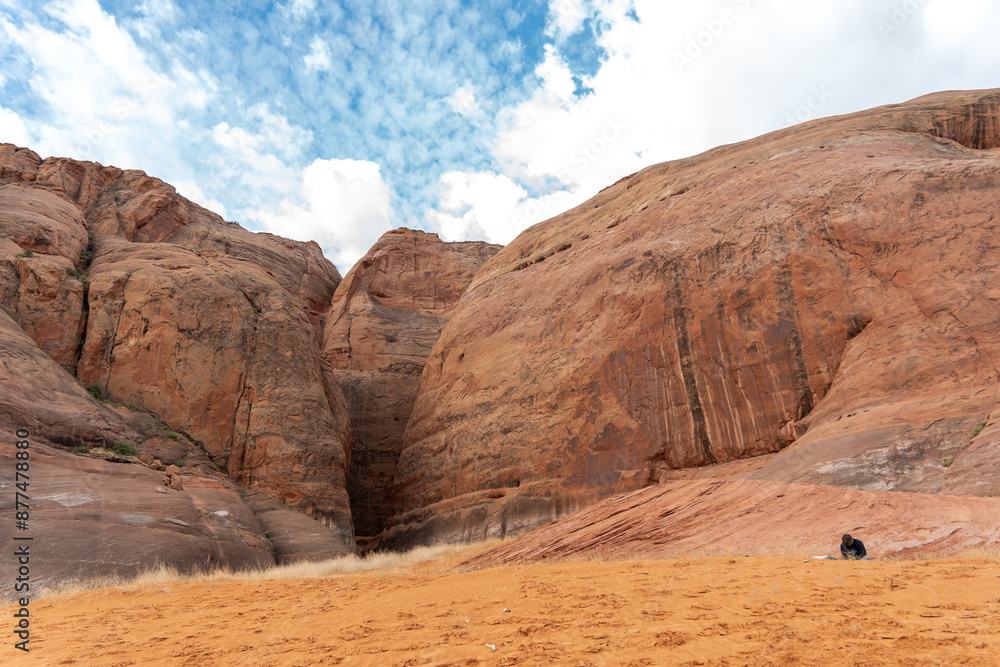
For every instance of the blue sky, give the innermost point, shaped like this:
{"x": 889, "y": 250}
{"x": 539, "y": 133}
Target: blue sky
{"x": 337, "y": 121}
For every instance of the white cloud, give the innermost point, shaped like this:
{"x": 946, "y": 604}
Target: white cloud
{"x": 263, "y": 156}
{"x": 463, "y": 101}
{"x": 344, "y": 205}
{"x": 566, "y": 17}
{"x": 105, "y": 101}
{"x": 13, "y": 129}
{"x": 301, "y": 9}
{"x": 194, "y": 192}
{"x": 319, "y": 58}
{"x": 490, "y": 207}
{"x": 154, "y": 15}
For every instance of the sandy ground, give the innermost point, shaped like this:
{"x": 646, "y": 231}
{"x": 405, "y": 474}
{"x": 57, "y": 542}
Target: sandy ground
{"x": 712, "y": 611}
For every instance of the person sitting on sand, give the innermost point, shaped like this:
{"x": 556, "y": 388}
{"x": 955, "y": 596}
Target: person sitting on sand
{"x": 852, "y": 549}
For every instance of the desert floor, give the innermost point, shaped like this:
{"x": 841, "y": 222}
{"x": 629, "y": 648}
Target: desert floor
{"x": 710, "y": 611}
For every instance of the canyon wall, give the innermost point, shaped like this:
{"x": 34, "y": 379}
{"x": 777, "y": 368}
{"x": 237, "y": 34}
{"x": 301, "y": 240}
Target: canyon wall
{"x": 825, "y": 295}
{"x": 156, "y": 303}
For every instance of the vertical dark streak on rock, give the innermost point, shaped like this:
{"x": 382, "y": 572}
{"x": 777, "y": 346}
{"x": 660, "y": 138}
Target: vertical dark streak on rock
{"x": 789, "y": 311}
{"x": 114, "y": 336}
{"x": 240, "y": 465}
{"x": 680, "y": 314}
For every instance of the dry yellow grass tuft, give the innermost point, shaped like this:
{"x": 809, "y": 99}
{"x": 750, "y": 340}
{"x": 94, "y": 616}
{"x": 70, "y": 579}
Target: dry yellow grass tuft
{"x": 332, "y": 567}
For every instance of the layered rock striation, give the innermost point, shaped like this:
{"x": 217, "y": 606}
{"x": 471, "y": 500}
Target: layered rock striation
{"x": 385, "y": 317}
{"x": 758, "y": 518}
{"x": 825, "y": 295}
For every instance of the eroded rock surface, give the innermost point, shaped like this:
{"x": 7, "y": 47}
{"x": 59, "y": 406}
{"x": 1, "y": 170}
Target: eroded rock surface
{"x": 385, "y": 317}
{"x": 758, "y": 518}
{"x": 827, "y": 292}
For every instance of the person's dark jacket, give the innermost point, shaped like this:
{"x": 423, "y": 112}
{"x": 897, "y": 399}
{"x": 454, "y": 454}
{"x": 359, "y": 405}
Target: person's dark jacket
{"x": 854, "y": 552}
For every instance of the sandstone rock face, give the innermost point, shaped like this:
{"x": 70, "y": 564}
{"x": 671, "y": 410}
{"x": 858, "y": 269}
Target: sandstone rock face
{"x": 162, "y": 305}
{"x": 385, "y": 317}
{"x": 827, "y": 292}
{"x": 93, "y": 518}
{"x": 43, "y": 235}
{"x": 215, "y": 346}
{"x": 755, "y": 518}
{"x": 39, "y": 395}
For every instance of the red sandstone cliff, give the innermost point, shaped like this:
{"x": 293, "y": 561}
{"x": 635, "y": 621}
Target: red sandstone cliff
{"x": 385, "y": 318}
{"x": 155, "y": 302}
{"x": 828, "y": 292}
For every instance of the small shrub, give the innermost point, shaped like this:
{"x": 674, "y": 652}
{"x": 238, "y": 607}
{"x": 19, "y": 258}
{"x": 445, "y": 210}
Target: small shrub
{"x": 76, "y": 273}
{"x": 95, "y": 390}
{"x": 124, "y": 448}
{"x": 86, "y": 255}
{"x": 9, "y": 314}
{"x": 947, "y": 461}
{"x": 132, "y": 406}
{"x": 976, "y": 431}
{"x": 180, "y": 463}
{"x": 171, "y": 435}
{"x": 26, "y": 253}
{"x": 80, "y": 449}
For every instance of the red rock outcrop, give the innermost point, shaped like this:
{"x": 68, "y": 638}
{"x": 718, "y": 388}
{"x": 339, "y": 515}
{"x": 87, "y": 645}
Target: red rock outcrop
{"x": 43, "y": 237}
{"x": 385, "y": 317}
{"x": 827, "y": 292}
{"x": 92, "y": 518}
{"x": 159, "y": 303}
{"x": 755, "y": 518}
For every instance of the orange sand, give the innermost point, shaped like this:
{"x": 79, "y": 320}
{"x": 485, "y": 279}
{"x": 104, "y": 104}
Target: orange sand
{"x": 716, "y": 611}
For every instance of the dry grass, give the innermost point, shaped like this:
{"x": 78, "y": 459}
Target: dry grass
{"x": 162, "y": 575}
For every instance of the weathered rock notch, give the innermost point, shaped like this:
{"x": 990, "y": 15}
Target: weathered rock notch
{"x": 385, "y": 317}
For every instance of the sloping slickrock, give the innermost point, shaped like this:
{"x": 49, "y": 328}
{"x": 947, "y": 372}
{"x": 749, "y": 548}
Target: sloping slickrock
{"x": 93, "y": 518}
{"x": 827, "y": 291}
{"x": 39, "y": 395}
{"x": 972, "y": 472}
{"x": 294, "y": 536}
{"x": 385, "y": 317}
{"x": 758, "y": 518}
